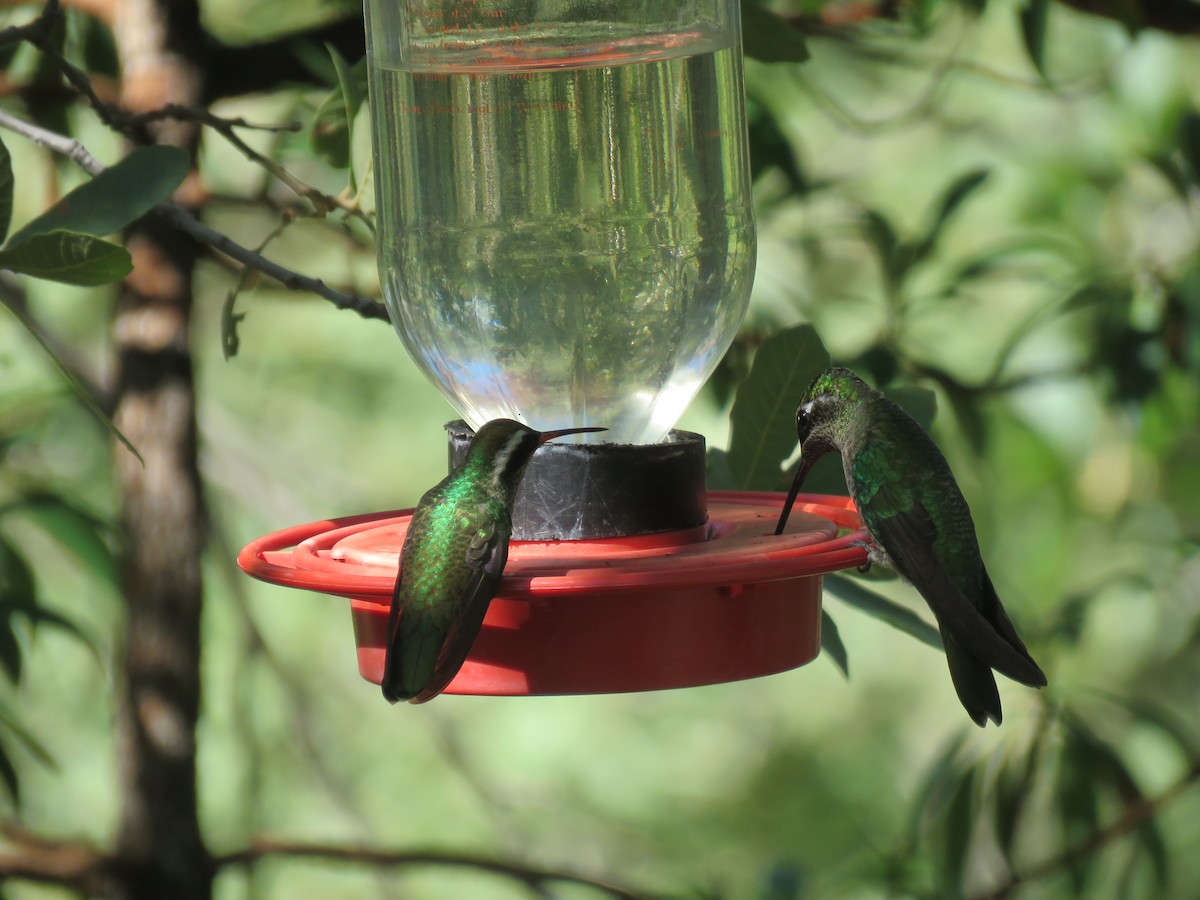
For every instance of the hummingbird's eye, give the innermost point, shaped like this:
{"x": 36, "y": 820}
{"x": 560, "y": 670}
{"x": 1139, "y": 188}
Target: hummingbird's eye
{"x": 802, "y": 416}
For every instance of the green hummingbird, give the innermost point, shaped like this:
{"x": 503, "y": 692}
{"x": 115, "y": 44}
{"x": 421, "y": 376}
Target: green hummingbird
{"x": 453, "y": 556}
{"x": 919, "y": 525}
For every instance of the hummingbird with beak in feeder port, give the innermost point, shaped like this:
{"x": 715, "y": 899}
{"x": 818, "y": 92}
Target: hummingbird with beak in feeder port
{"x": 919, "y": 525}
{"x": 452, "y": 560}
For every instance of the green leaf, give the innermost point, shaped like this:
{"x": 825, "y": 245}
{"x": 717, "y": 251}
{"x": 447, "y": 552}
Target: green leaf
{"x": 894, "y": 256}
{"x": 1034, "y": 16}
{"x": 6, "y": 190}
{"x": 84, "y": 394}
{"x": 918, "y": 402}
{"x": 81, "y": 533}
{"x": 10, "y": 721}
{"x": 352, "y": 80}
{"x": 719, "y": 477}
{"x": 763, "y": 418}
{"x": 333, "y": 123}
{"x": 954, "y": 197}
{"x": 957, "y": 835}
{"x": 769, "y": 37}
{"x": 18, "y": 594}
{"x": 17, "y": 589}
{"x": 68, "y": 258}
{"x": 770, "y": 148}
{"x": 8, "y": 774}
{"x": 877, "y": 606}
{"x": 936, "y": 788}
{"x": 831, "y": 644}
{"x": 1179, "y": 176}
{"x": 40, "y": 615}
{"x": 1189, "y": 143}
{"x": 116, "y": 197}
{"x": 10, "y": 650}
{"x": 362, "y": 164}
{"x": 1077, "y": 790}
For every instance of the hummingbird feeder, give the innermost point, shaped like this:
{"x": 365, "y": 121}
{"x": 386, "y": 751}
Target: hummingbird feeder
{"x": 566, "y": 238}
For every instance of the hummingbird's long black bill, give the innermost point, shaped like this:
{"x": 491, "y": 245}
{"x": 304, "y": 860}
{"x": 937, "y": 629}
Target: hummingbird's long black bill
{"x": 806, "y": 463}
{"x": 544, "y": 436}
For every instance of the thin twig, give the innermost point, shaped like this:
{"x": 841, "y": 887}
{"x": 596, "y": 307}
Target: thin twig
{"x": 82, "y": 867}
{"x": 126, "y": 123}
{"x": 35, "y": 31}
{"x": 189, "y": 224}
{"x": 535, "y": 877}
{"x": 204, "y": 116}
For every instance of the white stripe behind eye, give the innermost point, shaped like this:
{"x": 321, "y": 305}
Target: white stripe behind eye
{"x": 504, "y": 456}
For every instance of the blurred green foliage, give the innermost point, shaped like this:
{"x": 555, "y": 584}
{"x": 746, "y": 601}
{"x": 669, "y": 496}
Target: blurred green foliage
{"x": 990, "y": 204}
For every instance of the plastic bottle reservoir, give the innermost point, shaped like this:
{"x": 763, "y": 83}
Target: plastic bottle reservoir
{"x": 564, "y": 221}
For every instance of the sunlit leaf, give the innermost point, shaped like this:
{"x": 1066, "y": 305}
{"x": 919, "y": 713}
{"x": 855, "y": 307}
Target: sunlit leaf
{"x": 67, "y": 257}
{"x": 113, "y": 199}
{"x": 769, "y": 37}
{"x": 831, "y": 644}
{"x": 362, "y": 164}
{"x": 852, "y": 593}
{"x": 763, "y": 418}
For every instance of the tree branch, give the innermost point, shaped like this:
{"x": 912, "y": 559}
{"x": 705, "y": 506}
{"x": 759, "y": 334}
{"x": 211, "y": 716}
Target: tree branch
{"x": 1133, "y": 816}
{"x": 190, "y": 225}
{"x": 535, "y": 877}
{"x": 80, "y": 866}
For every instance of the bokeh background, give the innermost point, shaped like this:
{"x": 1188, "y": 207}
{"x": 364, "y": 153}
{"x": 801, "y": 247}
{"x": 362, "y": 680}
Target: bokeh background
{"x": 1055, "y": 316}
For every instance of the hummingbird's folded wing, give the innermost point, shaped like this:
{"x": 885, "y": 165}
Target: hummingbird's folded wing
{"x": 486, "y": 555}
{"x": 979, "y": 623}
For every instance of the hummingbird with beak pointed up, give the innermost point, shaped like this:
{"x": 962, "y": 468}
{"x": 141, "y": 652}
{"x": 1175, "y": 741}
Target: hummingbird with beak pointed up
{"x": 919, "y": 525}
{"x": 452, "y": 560}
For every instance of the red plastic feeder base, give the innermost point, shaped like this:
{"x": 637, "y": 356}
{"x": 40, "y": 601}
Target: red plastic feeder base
{"x": 725, "y": 601}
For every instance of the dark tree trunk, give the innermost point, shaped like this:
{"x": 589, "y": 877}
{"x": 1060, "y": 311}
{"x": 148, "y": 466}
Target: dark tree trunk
{"x": 160, "y": 850}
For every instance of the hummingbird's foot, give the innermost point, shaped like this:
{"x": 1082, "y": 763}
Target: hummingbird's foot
{"x": 876, "y": 555}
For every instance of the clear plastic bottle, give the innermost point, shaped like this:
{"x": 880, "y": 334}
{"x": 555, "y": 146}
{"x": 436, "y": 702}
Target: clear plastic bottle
{"x": 564, "y": 219}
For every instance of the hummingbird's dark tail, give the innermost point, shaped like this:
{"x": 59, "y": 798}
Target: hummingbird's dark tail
{"x": 993, "y": 643}
{"x": 973, "y": 682}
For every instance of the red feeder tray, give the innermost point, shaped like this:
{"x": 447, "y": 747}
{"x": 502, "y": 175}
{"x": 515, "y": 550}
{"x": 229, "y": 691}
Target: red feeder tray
{"x": 724, "y": 601}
